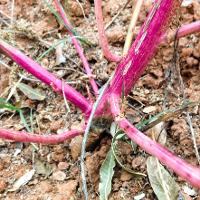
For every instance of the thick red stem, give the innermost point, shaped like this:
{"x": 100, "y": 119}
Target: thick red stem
{"x": 142, "y": 50}
{"x": 42, "y": 74}
{"x": 185, "y": 170}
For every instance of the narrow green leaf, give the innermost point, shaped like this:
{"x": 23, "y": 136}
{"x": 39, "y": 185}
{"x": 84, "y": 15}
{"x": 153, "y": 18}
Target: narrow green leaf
{"x": 23, "y": 120}
{"x": 4, "y": 104}
{"x": 31, "y": 93}
{"x": 106, "y": 175}
{"x": 161, "y": 181}
{"x": 51, "y": 48}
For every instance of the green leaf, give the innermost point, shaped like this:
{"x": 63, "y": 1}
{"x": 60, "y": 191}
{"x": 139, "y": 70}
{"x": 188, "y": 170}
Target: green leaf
{"x": 4, "y": 104}
{"x": 23, "y": 120}
{"x": 161, "y": 181}
{"x": 106, "y": 175}
{"x": 31, "y": 93}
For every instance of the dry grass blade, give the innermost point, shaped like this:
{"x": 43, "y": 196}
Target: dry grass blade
{"x": 132, "y": 25}
{"x": 165, "y": 115}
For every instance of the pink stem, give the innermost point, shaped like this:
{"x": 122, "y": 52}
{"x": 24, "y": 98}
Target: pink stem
{"x": 185, "y": 170}
{"x": 131, "y": 67}
{"x": 142, "y": 50}
{"x": 184, "y": 30}
{"x": 78, "y": 47}
{"x": 102, "y": 35}
{"x": 22, "y": 136}
{"x": 42, "y": 74}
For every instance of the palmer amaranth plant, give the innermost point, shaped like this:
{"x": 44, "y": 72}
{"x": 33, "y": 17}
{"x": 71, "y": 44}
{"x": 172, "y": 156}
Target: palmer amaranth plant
{"x": 108, "y": 99}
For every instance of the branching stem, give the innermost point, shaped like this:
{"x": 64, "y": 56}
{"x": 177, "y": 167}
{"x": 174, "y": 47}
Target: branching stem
{"x": 46, "y": 77}
{"x": 78, "y": 47}
{"x": 102, "y": 35}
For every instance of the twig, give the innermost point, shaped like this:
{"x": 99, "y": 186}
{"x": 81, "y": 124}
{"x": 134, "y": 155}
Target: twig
{"x": 166, "y": 115}
{"x": 132, "y": 25}
{"x": 81, "y": 8}
{"x": 102, "y": 35}
{"x": 187, "y": 113}
{"x": 78, "y": 47}
{"x": 86, "y": 134}
{"x": 5, "y": 65}
{"x": 12, "y": 12}
{"x": 118, "y": 13}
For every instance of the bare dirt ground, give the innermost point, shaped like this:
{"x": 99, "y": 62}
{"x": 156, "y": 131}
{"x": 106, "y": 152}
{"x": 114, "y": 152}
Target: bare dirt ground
{"x": 33, "y": 29}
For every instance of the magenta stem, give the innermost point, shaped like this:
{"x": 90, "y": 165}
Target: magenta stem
{"x": 183, "y": 169}
{"x": 183, "y": 31}
{"x": 102, "y": 35}
{"x": 22, "y": 136}
{"x": 143, "y": 48}
{"x": 42, "y": 74}
{"x": 78, "y": 47}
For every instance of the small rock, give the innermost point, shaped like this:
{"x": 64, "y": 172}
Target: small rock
{"x": 149, "y": 109}
{"x": 137, "y": 162}
{"x": 139, "y": 196}
{"x": 55, "y": 125}
{"x": 3, "y": 185}
{"x": 75, "y": 146}
{"x": 191, "y": 61}
{"x": 125, "y": 176}
{"x": 63, "y": 165}
{"x": 58, "y": 157}
{"x": 67, "y": 189}
{"x": 186, "y": 52}
{"x": 45, "y": 186}
{"x": 189, "y": 191}
{"x": 116, "y": 35}
{"x": 76, "y": 10}
{"x": 59, "y": 176}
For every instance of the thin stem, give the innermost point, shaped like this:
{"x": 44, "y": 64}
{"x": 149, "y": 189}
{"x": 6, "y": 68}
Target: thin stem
{"x": 78, "y": 47}
{"x": 86, "y": 134}
{"x": 183, "y": 31}
{"x": 21, "y": 136}
{"x": 102, "y": 35}
{"x": 185, "y": 170}
{"x": 43, "y": 75}
{"x": 132, "y": 25}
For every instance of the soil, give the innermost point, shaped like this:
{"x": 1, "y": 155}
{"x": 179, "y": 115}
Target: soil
{"x": 33, "y": 29}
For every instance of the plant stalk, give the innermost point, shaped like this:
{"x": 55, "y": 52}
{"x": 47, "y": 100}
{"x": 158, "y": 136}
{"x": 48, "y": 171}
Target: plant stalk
{"x": 21, "y": 136}
{"x": 78, "y": 47}
{"x": 46, "y": 77}
{"x": 183, "y": 169}
{"x": 102, "y": 35}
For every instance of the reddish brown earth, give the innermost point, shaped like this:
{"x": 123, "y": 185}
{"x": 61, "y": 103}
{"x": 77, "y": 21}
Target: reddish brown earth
{"x": 34, "y": 30}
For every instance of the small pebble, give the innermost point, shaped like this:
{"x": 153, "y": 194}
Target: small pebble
{"x": 59, "y": 176}
{"x": 3, "y": 185}
{"x": 63, "y": 165}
